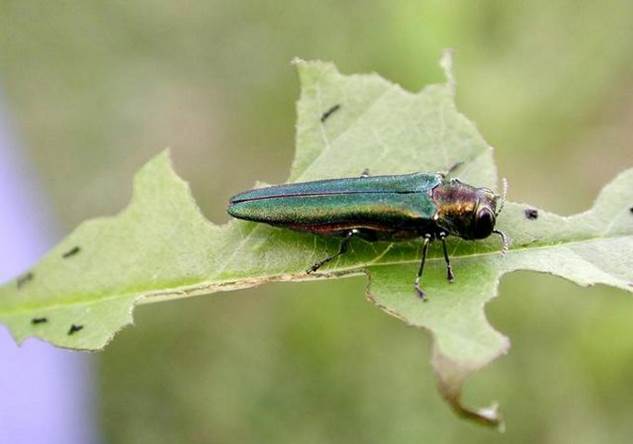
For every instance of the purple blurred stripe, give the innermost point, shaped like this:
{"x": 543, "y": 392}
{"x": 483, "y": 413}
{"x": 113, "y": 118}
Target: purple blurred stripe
{"x": 47, "y": 395}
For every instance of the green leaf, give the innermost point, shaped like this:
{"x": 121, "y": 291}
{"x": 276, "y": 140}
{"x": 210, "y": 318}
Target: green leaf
{"x": 161, "y": 247}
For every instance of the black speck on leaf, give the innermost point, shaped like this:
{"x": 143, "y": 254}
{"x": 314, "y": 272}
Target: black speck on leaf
{"x": 73, "y": 251}
{"x": 74, "y": 329}
{"x": 329, "y": 112}
{"x": 531, "y": 213}
{"x": 24, "y": 279}
{"x": 36, "y": 321}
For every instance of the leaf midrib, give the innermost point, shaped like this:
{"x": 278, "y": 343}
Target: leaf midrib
{"x": 209, "y": 287}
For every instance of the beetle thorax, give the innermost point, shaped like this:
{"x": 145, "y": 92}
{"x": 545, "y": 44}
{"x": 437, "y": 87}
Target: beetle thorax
{"x": 457, "y": 205}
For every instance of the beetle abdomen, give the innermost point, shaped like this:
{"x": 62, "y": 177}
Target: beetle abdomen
{"x": 406, "y": 183}
{"x": 380, "y": 203}
{"x": 323, "y": 209}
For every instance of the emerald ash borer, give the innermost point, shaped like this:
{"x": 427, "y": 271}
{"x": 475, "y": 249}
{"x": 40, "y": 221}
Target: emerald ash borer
{"x": 429, "y": 206}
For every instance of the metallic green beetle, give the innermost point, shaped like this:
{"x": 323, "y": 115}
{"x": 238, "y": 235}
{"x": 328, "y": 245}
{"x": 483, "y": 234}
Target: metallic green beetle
{"x": 377, "y": 208}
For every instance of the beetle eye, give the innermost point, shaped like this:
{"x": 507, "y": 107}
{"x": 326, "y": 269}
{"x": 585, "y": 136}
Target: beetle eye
{"x": 484, "y": 223}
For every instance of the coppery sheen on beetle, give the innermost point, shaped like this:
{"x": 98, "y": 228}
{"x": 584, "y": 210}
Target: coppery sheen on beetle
{"x": 429, "y": 206}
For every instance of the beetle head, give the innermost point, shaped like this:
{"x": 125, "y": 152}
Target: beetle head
{"x": 464, "y": 210}
{"x": 485, "y": 215}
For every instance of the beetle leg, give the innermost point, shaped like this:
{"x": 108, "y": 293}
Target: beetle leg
{"x": 365, "y": 173}
{"x": 425, "y": 247}
{"x": 341, "y": 250}
{"x": 449, "y": 270}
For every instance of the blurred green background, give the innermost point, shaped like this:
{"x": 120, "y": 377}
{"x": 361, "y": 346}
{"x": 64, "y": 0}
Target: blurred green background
{"x": 97, "y": 88}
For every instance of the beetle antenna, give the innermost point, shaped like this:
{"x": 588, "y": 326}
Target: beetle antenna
{"x": 504, "y": 181}
{"x": 453, "y": 168}
{"x": 505, "y": 241}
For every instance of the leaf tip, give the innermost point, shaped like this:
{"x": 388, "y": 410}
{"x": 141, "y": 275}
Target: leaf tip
{"x": 163, "y": 157}
{"x": 154, "y": 174}
{"x": 312, "y": 72}
{"x": 446, "y": 62}
{"x": 450, "y": 380}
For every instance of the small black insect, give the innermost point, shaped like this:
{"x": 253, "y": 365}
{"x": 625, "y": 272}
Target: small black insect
{"x": 27, "y": 277}
{"x": 74, "y": 329}
{"x": 631, "y": 209}
{"x": 531, "y": 213}
{"x": 35, "y": 321}
{"x": 329, "y": 112}
{"x": 73, "y": 251}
